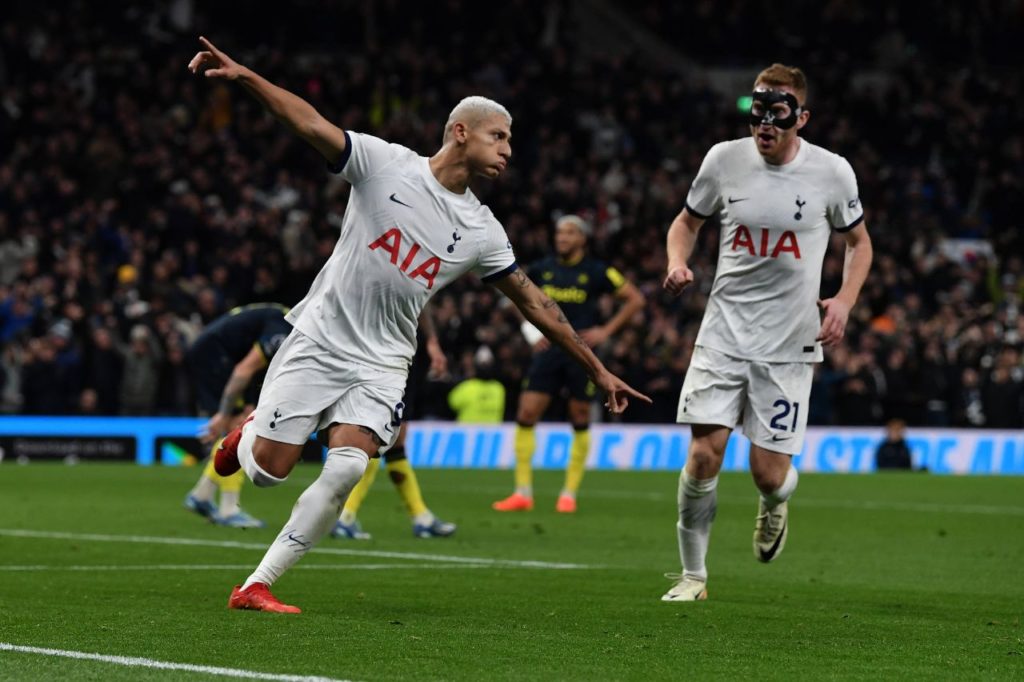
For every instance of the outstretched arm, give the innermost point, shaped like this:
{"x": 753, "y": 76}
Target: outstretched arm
{"x": 545, "y": 314}
{"x": 295, "y": 112}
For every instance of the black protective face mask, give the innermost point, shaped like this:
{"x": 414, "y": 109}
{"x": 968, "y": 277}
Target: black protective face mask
{"x": 766, "y": 98}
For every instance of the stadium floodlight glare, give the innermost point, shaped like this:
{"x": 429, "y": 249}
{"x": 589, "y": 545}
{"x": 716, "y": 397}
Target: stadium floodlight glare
{"x": 743, "y": 104}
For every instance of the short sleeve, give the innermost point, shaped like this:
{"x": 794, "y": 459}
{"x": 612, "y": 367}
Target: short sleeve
{"x": 844, "y": 209}
{"x": 496, "y": 256}
{"x": 606, "y": 279}
{"x": 705, "y": 198}
{"x": 364, "y": 155}
{"x": 614, "y": 278}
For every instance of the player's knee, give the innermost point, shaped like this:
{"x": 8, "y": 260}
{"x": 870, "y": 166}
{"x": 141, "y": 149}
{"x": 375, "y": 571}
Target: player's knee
{"x": 343, "y": 468}
{"x": 527, "y": 418}
{"x": 272, "y": 461}
{"x": 705, "y": 459}
{"x": 768, "y": 479}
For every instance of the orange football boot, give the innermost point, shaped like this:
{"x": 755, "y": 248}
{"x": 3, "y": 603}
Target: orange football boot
{"x": 257, "y": 597}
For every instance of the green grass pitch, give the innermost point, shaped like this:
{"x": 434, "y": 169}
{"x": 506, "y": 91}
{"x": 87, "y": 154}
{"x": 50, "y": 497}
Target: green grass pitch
{"x": 902, "y": 576}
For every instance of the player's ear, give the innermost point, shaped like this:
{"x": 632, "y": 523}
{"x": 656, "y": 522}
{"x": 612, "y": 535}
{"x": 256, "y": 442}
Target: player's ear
{"x": 803, "y": 118}
{"x": 460, "y": 132}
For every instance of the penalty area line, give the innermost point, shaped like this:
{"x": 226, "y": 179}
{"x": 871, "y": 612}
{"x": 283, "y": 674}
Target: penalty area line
{"x": 137, "y": 662}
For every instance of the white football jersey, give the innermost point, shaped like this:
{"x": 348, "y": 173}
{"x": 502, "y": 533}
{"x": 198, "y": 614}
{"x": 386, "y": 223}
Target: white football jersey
{"x": 776, "y": 222}
{"x": 404, "y": 237}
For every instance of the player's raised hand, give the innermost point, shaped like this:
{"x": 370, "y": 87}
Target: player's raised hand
{"x": 618, "y": 392}
{"x": 833, "y": 326}
{"x": 678, "y": 279}
{"x": 214, "y": 63}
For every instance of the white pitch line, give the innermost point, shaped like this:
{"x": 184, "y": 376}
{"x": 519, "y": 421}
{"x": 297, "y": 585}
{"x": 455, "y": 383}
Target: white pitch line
{"x": 228, "y": 567}
{"x": 136, "y": 662}
{"x": 197, "y": 542}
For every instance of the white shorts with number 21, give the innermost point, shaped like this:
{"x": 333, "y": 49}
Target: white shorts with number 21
{"x": 767, "y": 400}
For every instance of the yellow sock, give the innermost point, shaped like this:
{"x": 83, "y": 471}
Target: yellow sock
{"x": 208, "y": 470}
{"x": 362, "y": 489}
{"x": 404, "y": 478}
{"x": 524, "y": 443}
{"x": 229, "y": 484}
{"x": 577, "y": 461}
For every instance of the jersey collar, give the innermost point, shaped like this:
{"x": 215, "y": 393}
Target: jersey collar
{"x": 436, "y": 184}
{"x": 798, "y": 160}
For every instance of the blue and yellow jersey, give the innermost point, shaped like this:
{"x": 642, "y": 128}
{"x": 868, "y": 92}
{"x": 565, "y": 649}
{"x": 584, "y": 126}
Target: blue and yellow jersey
{"x": 237, "y": 331}
{"x": 576, "y": 287}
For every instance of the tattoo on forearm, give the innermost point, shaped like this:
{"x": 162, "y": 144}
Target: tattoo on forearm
{"x": 232, "y": 392}
{"x": 522, "y": 281}
{"x": 548, "y": 303}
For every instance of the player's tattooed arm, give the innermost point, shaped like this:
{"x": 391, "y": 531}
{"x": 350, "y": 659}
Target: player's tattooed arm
{"x": 232, "y": 393}
{"x": 555, "y": 308}
{"x": 241, "y": 377}
{"x": 538, "y": 308}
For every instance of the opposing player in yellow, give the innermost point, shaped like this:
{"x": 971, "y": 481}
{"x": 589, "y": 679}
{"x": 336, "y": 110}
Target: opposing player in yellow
{"x": 227, "y": 361}
{"x": 576, "y": 281}
{"x": 424, "y": 523}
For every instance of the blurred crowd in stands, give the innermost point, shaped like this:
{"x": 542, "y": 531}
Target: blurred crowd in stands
{"x": 138, "y": 202}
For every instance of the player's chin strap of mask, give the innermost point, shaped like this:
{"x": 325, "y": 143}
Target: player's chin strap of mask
{"x": 766, "y": 98}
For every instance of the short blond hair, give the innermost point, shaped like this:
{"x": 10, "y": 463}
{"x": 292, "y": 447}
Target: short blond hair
{"x": 471, "y": 110}
{"x": 780, "y": 74}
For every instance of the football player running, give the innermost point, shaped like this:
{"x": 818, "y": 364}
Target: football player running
{"x": 779, "y": 198}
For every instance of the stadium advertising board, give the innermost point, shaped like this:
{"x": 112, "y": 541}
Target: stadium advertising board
{"x": 661, "y": 447}
{"x": 170, "y": 441}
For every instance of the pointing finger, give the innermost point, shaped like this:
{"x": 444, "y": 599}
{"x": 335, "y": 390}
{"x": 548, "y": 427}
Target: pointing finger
{"x": 210, "y": 46}
{"x": 637, "y": 394}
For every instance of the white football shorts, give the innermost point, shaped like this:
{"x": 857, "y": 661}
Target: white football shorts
{"x": 767, "y": 400}
{"x": 308, "y": 388}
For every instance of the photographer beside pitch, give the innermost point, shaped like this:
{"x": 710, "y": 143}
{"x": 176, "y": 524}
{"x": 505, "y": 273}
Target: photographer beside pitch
{"x": 411, "y": 227}
{"x": 779, "y": 197}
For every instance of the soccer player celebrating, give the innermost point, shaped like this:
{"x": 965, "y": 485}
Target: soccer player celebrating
{"x": 778, "y": 198}
{"x": 576, "y": 281}
{"x": 225, "y": 359}
{"x": 411, "y": 227}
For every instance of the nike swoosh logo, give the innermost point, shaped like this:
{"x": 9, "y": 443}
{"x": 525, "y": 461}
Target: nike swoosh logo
{"x": 394, "y": 198}
{"x": 388, "y": 429}
{"x": 298, "y": 541}
{"x": 767, "y": 556}
{"x": 776, "y": 438}
{"x": 733, "y": 201}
